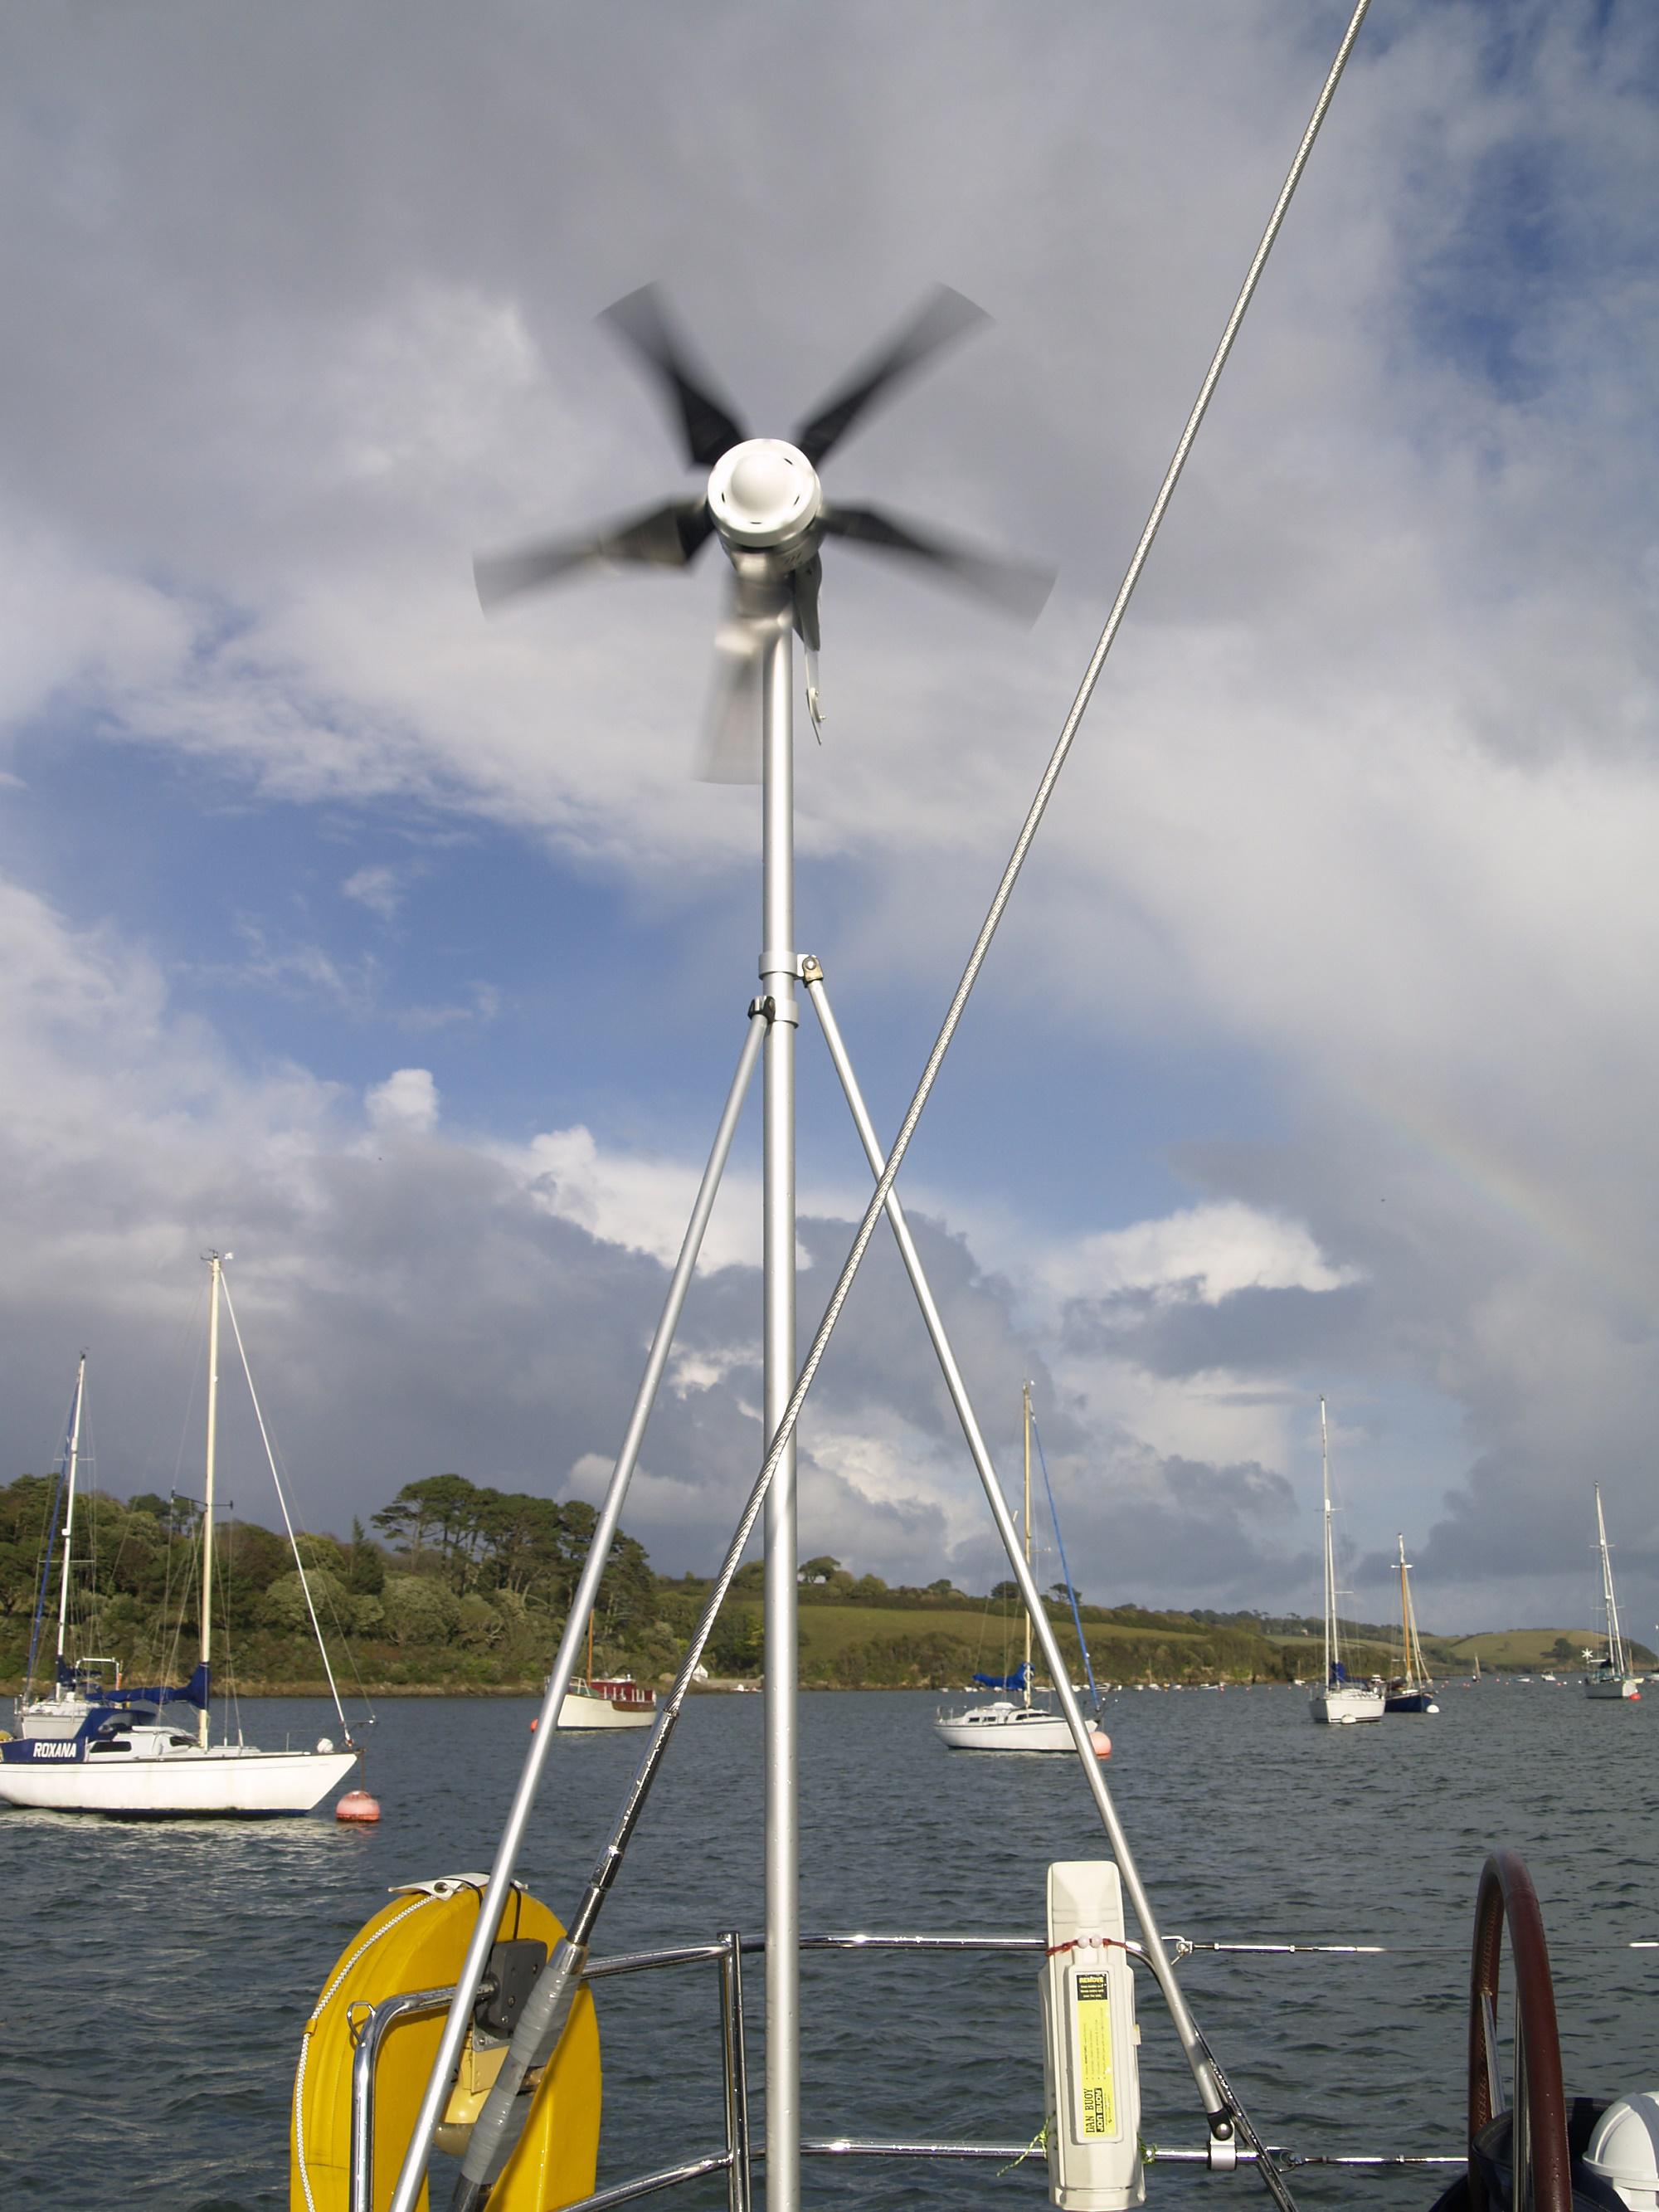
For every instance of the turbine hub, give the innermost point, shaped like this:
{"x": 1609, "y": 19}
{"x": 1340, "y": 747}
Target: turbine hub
{"x": 763, "y": 493}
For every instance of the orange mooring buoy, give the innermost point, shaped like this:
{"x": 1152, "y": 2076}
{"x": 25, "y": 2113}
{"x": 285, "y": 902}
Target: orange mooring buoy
{"x": 1101, "y": 1742}
{"x": 358, "y": 1806}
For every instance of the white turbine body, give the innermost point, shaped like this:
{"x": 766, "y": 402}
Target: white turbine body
{"x": 764, "y": 495}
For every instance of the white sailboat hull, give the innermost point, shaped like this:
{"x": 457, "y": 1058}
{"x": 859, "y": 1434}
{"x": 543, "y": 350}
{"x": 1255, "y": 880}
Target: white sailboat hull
{"x": 225, "y": 1780}
{"x": 1616, "y": 1686}
{"x": 1345, "y": 1703}
{"x": 1005, "y": 1728}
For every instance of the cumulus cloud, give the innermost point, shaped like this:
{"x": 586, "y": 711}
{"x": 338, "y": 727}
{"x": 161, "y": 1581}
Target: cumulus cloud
{"x": 407, "y": 1100}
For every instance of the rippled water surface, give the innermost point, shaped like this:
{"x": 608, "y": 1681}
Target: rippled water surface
{"x": 156, "y": 1978}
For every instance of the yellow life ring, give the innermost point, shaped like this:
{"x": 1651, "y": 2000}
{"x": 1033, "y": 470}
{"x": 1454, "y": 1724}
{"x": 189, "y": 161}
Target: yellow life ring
{"x": 418, "y": 1942}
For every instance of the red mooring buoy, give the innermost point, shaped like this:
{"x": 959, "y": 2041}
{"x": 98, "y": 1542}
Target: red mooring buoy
{"x": 1101, "y": 1742}
{"x": 358, "y": 1806}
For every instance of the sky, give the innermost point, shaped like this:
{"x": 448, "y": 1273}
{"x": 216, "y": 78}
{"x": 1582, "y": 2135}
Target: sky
{"x": 398, "y": 951}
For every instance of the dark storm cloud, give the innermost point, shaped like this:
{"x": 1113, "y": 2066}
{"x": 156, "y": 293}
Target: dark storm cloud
{"x": 1247, "y": 1333}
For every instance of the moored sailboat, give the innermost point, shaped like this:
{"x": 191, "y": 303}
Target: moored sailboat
{"x": 1003, "y": 1725}
{"x": 1335, "y": 1698}
{"x": 128, "y": 1757}
{"x": 1608, "y": 1674}
{"x": 605, "y": 1701}
{"x": 1411, "y": 1690}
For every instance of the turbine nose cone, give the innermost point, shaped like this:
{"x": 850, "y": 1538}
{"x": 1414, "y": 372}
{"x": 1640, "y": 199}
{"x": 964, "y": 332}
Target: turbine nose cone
{"x": 765, "y": 480}
{"x": 763, "y": 492}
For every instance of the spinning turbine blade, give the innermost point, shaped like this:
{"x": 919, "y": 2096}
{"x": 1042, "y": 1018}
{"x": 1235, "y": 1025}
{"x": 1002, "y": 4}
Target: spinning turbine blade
{"x": 730, "y": 751}
{"x": 664, "y": 537}
{"x": 945, "y": 316}
{"x": 1019, "y": 590}
{"x": 807, "y": 579}
{"x": 641, "y": 319}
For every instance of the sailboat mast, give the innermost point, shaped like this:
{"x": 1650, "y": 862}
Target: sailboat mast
{"x": 69, "y": 1510}
{"x": 1330, "y": 1564}
{"x": 1025, "y": 1400}
{"x": 215, "y": 1264}
{"x": 1405, "y": 1617}
{"x": 1615, "y": 1646}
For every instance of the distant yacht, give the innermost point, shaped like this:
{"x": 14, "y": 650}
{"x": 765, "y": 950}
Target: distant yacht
{"x": 1002, "y": 1725}
{"x": 1609, "y": 1675}
{"x": 1411, "y": 1690}
{"x": 1335, "y": 1698}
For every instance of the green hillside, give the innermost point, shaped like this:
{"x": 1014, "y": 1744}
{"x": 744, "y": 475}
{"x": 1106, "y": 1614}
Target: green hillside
{"x": 1533, "y": 1650}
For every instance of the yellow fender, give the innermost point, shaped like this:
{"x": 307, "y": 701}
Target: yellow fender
{"x": 418, "y": 1942}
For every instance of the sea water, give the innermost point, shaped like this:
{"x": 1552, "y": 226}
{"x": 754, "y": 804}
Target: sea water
{"x": 155, "y": 1978}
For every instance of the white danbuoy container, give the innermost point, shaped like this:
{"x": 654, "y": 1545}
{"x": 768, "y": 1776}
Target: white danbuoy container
{"x": 1090, "y": 2064}
{"x": 1624, "y": 2149}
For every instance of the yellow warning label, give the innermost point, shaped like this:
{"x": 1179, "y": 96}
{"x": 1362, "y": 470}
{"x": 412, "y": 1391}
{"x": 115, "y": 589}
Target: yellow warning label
{"x": 1095, "y": 2111}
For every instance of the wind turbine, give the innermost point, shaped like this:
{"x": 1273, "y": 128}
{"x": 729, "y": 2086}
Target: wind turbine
{"x": 763, "y": 500}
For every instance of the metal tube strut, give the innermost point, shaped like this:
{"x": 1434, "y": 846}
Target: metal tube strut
{"x": 498, "y": 1890}
{"x": 1186, "y": 2029}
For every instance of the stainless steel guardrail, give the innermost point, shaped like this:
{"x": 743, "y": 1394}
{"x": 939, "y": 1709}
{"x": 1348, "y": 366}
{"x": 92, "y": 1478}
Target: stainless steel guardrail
{"x": 740, "y": 2153}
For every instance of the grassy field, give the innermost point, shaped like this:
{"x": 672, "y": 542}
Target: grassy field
{"x": 828, "y": 1629}
{"x": 870, "y": 1644}
{"x": 1531, "y": 1651}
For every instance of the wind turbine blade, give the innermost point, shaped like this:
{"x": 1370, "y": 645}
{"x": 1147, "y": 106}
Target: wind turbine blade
{"x": 944, "y": 317}
{"x": 709, "y": 428}
{"x": 807, "y": 580}
{"x": 1016, "y": 587}
{"x": 730, "y": 750}
{"x": 664, "y": 537}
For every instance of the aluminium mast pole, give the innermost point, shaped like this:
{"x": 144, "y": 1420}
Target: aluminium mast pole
{"x": 215, "y": 1264}
{"x": 1025, "y": 1406}
{"x": 1330, "y": 1567}
{"x": 69, "y": 1512}
{"x": 780, "y": 968}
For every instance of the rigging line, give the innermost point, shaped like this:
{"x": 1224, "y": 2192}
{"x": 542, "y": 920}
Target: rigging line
{"x": 281, "y": 1499}
{"x": 1065, "y": 1567}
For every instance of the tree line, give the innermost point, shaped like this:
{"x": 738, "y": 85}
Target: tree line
{"x": 457, "y": 1580}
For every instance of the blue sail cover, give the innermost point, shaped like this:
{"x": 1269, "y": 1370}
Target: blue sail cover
{"x": 194, "y": 1691}
{"x": 1339, "y": 1674}
{"x": 1017, "y": 1681}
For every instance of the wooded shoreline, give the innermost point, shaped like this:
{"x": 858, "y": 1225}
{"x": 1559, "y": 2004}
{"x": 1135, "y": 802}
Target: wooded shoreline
{"x": 463, "y": 1591}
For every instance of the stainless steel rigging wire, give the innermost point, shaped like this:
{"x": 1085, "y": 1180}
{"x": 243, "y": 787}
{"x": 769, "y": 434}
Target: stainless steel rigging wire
{"x": 414, "y": 2166}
